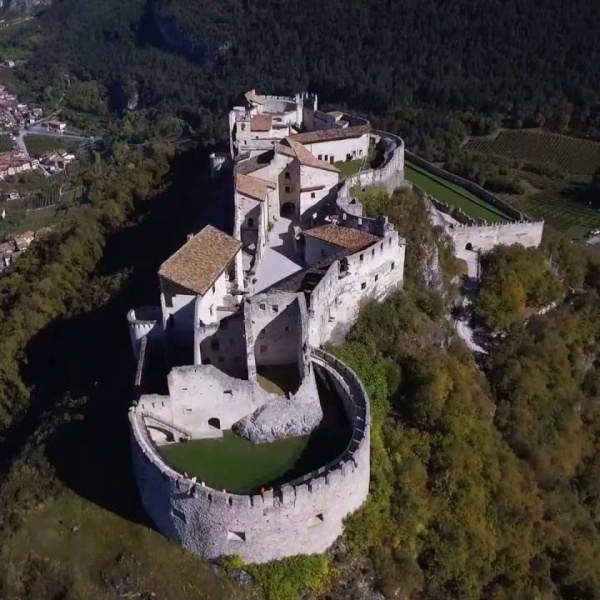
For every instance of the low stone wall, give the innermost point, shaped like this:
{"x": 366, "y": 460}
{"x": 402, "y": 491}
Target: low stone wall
{"x": 485, "y": 237}
{"x": 302, "y": 517}
{"x": 472, "y": 187}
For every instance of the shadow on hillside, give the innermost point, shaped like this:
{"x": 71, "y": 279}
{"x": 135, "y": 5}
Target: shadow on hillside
{"x": 88, "y": 356}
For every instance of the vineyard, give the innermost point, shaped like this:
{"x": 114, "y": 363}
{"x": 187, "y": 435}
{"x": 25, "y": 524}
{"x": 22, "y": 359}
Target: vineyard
{"x": 560, "y": 207}
{"x": 571, "y": 155}
{"x": 40, "y": 144}
{"x": 6, "y": 143}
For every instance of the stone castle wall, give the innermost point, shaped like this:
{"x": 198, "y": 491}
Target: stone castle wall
{"x": 390, "y": 174}
{"x": 302, "y": 517}
{"x": 472, "y": 187}
{"x": 486, "y": 237}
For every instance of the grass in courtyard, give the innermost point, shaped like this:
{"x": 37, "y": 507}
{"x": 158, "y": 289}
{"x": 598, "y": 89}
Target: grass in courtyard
{"x": 40, "y": 144}
{"x": 233, "y": 463}
{"x": 454, "y": 195}
{"x": 348, "y": 168}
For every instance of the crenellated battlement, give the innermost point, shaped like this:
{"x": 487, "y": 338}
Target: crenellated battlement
{"x": 214, "y": 522}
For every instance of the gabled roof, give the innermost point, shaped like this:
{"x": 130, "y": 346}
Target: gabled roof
{"x": 251, "y": 187}
{"x": 201, "y": 260}
{"x": 328, "y": 135}
{"x": 344, "y": 237}
{"x": 289, "y": 147}
{"x": 261, "y": 123}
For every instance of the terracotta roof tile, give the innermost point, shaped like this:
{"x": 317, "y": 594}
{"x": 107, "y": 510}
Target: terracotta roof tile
{"x": 200, "y": 261}
{"x": 307, "y": 158}
{"x": 344, "y": 237}
{"x": 327, "y": 135}
{"x": 261, "y": 123}
{"x": 251, "y": 186}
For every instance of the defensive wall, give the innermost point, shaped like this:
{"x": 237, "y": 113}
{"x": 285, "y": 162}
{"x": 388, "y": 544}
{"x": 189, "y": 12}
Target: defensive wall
{"x": 303, "y": 516}
{"x": 471, "y": 186}
{"x": 468, "y": 234}
{"x": 391, "y": 172}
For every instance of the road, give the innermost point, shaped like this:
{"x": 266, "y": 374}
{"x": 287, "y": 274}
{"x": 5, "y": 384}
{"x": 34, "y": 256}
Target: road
{"x": 42, "y": 131}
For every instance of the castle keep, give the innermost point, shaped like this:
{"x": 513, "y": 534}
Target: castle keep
{"x": 234, "y": 309}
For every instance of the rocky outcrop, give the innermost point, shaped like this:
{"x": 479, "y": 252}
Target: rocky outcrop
{"x": 432, "y": 269}
{"x": 278, "y": 419}
{"x": 24, "y": 7}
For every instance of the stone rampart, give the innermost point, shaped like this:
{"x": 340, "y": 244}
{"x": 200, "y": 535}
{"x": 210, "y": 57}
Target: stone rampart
{"x": 486, "y": 237}
{"x": 390, "y": 174}
{"x": 472, "y": 187}
{"x": 304, "y": 516}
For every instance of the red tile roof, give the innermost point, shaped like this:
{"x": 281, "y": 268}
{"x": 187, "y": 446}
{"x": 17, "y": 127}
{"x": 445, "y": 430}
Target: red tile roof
{"x": 201, "y": 260}
{"x": 328, "y": 135}
{"x": 344, "y": 237}
{"x": 261, "y": 123}
{"x": 252, "y": 187}
{"x": 304, "y": 156}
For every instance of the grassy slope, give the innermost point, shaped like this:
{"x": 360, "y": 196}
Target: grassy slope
{"x": 453, "y": 195}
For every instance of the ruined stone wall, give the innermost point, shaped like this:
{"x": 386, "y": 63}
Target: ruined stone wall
{"x": 277, "y": 329}
{"x": 484, "y": 238}
{"x": 303, "y": 517}
{"x": 373, "y": 273}
{"x": 145, "y": 321}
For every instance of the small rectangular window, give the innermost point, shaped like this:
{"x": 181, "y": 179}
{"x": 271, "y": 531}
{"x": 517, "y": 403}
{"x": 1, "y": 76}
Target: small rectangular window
{"x": 312, "y": 194}
{"x": 262, "y": 306}
{"x": 288, "y": 189}
{"x": 250, "y": 222}
{"x": 275, "y": 308}
{"x": 287, "y": 175}
{"x": 320, "y": 157}
{"x": 361, "y": 258}
{"x": 393, "y": 266}
{"x": 376, "y": 277}
{"x": 363, "y": 286}
{"x": 228, "y": 392}
{"x": 331, "y": 159}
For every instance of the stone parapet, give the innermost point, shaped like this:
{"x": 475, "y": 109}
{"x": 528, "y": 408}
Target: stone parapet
{"x": 303, "y": 516}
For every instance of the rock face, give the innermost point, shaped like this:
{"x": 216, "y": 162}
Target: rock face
{"x": 24, "y": 7}
{"x": 432, "y": 270}
{"x": 285, "y": 417}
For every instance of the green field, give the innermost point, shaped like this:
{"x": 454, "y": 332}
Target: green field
{"x": 569, "y": 154}
{"x": 39, "y": 144}
{"x": 453, "y": 194}
{"x": 349, "y": 167}
{"x": 233, "y": 463}
{"x": 561, "y": 208}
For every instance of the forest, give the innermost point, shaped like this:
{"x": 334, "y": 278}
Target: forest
{"x": 431, "y": 70}
{"x": 484, "y": 477}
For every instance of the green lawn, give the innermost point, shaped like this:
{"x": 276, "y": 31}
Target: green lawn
{"x": 349, "y": 167}
{"x": 454, "y": 195}
{"x": 39, "y": 144}
{"x": 233, "y": 463}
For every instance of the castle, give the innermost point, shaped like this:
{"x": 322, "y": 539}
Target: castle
{"x": 301, "y": 260}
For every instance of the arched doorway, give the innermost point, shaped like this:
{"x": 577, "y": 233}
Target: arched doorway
{"x": 469, "y": 246}
{"x": 214, "y": 423}
{"x": 288, "y": 209}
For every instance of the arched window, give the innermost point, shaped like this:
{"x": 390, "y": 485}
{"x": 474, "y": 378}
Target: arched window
{"x": 214, "y": 423}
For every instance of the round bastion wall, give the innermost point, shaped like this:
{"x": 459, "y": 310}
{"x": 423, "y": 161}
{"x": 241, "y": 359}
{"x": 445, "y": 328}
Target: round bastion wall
{"x": 304, "y": 516}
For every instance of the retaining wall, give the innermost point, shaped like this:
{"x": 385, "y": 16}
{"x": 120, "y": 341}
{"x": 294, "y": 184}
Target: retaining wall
{"x": 304, "y": 516}
{"x": 472, "y": 187}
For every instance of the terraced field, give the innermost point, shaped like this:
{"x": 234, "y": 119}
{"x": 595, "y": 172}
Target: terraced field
{"x": 562, "y": 208}
{"x": 453, "y": 194}
{"x": 571, "y": 155}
